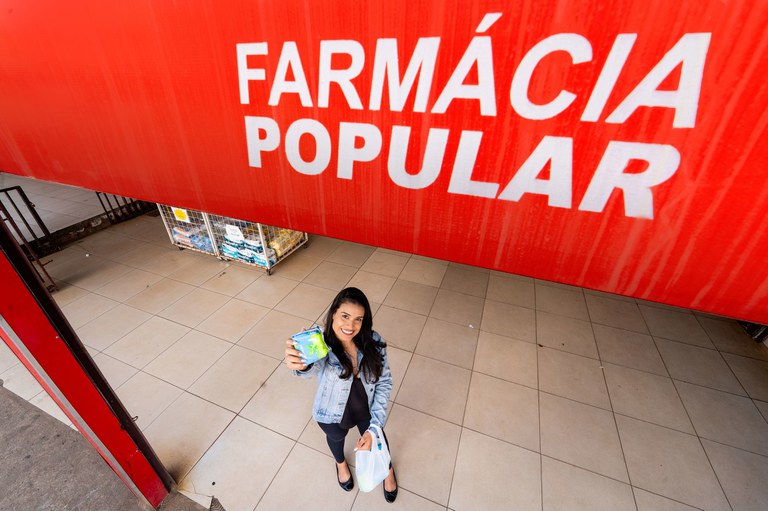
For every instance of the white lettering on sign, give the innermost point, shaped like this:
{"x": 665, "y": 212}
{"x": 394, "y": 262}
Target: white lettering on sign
{"x": 342, "y": 67}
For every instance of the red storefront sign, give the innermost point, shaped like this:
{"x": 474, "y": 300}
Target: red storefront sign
{"x": 611, "y": 145}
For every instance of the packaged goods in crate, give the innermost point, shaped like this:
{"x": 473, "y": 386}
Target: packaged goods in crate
{"x": 245, "y": 245}
{"x": 192, "y": 236}
{"x": 282, "y": 241}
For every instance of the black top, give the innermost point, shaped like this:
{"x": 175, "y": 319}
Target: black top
{"x": 357, "y": 409}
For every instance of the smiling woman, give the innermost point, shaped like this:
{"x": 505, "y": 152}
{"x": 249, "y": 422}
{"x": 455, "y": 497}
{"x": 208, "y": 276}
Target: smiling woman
{"x": 354, "y": 381}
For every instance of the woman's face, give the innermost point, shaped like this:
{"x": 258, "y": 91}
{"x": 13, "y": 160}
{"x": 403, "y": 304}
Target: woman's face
{"x": 347, "y": 321}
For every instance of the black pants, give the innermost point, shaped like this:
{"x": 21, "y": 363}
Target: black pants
{"x": 335, "y": 435}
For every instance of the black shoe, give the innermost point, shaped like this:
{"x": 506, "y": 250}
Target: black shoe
{"x": 346, "y": 485}
{"x": 390, "y": 496}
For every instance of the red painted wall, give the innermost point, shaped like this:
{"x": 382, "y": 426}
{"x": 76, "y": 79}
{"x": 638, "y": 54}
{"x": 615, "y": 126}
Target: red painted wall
{"x": 144, "y": 99}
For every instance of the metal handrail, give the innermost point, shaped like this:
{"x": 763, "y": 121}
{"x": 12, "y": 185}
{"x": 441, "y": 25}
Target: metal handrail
{"x": 30, "y": 207}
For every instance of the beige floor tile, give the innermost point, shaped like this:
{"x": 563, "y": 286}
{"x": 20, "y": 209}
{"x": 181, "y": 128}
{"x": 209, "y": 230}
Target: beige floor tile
{"x": 185, "y": 431}
{"x": 104, "y": 330}
{"x": 730, "y": 337}
{"x": 140, "y": 253}
{"x": 742, "y": 475}
{"x": 407, "y": 501}
{"x": 146, "y": 342}
{"x": 313, "y": 437}
{"x": 458, "y": 308}
{"x": 268, "y": 336}
{"x": 426, "y": 471}
{"x": 725, "y": 418}
{"x": 424, "y": 272}
{"x": 267, "y": 290}
{"x": 156, "y": 259}
{"x": 572, "y": 376}
{"x": 306, "y": 301}
{"x": 565, "y": 334}
{"x": 398, "y": 327}
{"x": 199, "y": 270}
{"x": 87, "y": 308}
{"x": 660, "y": 305}
{"x": 612, "y": 296}
{"x": 430, "y": 259}
{"x": 187, "y": 359}
{"x": 8, "y": 358}
{"x": 351, "y": 254}
{"x": 560, "y": 285}
{"x": 509, "y": 321}
{"x": 511, "y": 291}
{"x": 698, "y": 365}
{"x": 20, "y": 381}
{"x": 647, "y": 397}
{"x": 753, "y": 375}
{"x": 565, "y": 302}
{"x": 513, "y": 483}
{"x": 320, "y": 246}
{"x": 331, "y": 276}
{"x": 399, "y": 360}
{"x": 384, "y": 263}
{"x": 469, "y": 267}
{"x": 582, "y": 435}
{"x": 232, "y": 281}
{"x": 675, "y": 325}
{"x": 238, "y": 481}
{"x": 616, "y": 313}
{"x": 233, "y": 320}
{"x": 628, "y": 349}
{"x": 233, "y": 379}
{"x": 128, "y": 285}
{"x": 435, "y": 388}
{"x": 763, "y": 407}
{"x": 79, "y": 265}
{"x": 411, "y": 297}
{"x": 283, "y": 404}
{"x": 193, "y": 308}
{"x": 393, "y": 252}
{"x": 297, "y": 266}
{"x": 46, "y": 403}
{"x": 670, "y": 463}
{"x": 160, "y": 295}
{"x": 503, "y": 410}
{"x": 465, "y": 279}
{"x": 507, "y": 275}
{"x": 375, "y": 286}
{"x": 647, "y": 501}
{"x": 448, "y": 342}
{"x": 146, "y": 397}
{"x": 114, "y": 371}
{"x": 565, "y": 487}
{"x": 106, "y": 243}
{"x": 507, "y": 358}
{"x": 58, "y": 258}
{"x": 317, "y": 492}
{"x": 68, "y": 293}
{"x": 94, "y": 277}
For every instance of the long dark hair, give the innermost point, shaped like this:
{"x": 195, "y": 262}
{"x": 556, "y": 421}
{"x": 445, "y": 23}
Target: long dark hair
{"x": 373, "y": 359}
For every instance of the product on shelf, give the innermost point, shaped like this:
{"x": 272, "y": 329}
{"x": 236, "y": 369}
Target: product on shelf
{"x": 284, "y": 240}
{"x": 193, "y": 237}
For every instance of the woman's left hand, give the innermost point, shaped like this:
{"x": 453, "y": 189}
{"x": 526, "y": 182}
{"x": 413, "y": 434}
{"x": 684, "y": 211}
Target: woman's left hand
{"x": 365, "y": 442}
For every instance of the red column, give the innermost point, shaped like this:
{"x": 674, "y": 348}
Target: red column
{"x": 34, "y": 328}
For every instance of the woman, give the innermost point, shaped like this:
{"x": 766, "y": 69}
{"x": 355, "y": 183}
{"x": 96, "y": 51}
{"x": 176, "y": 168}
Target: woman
{"x": 354, "y": 381}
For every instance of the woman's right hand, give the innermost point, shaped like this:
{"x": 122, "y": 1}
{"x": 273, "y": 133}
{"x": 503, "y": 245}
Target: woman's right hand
{"x": 293, "y": 358}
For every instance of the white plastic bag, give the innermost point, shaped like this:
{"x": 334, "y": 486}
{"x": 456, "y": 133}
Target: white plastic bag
{"x": 372, "y": 467}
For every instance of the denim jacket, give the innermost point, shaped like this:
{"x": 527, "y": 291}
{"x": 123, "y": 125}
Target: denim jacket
{"x": 332, "y": 391}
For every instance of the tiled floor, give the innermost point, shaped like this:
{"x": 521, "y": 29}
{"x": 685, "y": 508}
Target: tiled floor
{"x": 510, "y": 393}
{"x": 58, "y": 205}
